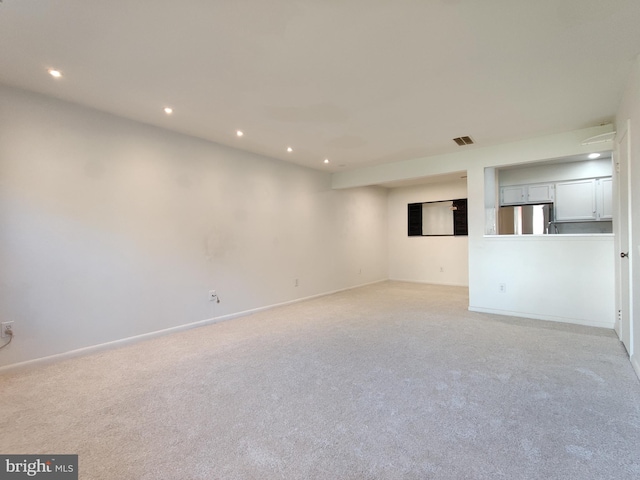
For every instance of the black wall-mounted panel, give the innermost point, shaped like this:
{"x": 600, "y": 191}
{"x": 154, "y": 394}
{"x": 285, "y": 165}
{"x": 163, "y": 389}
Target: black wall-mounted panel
{"x": 415, "y": 219}
{"x": 460, "y": 226}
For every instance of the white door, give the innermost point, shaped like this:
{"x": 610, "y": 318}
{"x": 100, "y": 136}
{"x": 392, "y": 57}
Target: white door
{"x": 624, "y": 255}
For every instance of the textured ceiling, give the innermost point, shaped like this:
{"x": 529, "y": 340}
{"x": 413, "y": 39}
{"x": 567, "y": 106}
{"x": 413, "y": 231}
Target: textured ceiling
{"x": 360, "y": 82}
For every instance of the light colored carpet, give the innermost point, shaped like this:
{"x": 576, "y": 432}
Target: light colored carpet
{"x": 389, "y": 381}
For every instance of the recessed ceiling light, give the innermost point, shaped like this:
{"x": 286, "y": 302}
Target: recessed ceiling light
{"x": 289, "y": 149}
{"x": 326, "y": 160}
{"x": 239, "y": 133}
{"x": 168, "y": 110}
{"x": 593, "y": 155}
{"x": 55, "y": 73}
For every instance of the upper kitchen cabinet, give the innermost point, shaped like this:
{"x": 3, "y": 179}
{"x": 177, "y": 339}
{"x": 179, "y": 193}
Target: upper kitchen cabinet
{"x": 525, "y": 194}
{"x": 543, "y": 193}
{"x": 512, "y": 195}
{"x": 576, "y": 200}
{"x": 604, "y": 198}
{"x": 577, "y": 191}
{"x": 584, "y": 200}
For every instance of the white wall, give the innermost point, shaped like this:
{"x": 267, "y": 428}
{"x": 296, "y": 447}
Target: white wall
{"x": 547, "y": 277}
{"x": 630, "y": 110}
{"x": 583, "y": 272}
{"x": 556, "y": 172}
{"x": 522, "y": 152}
{"x": 111, "y": 229}
{"x": 421, "y": 259}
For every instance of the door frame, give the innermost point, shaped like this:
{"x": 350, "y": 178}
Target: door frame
{"x": 624, "y": 280}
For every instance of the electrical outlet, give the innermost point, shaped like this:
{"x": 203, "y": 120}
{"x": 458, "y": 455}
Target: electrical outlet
{"x": 6, "y": 328}
{"x": 502, "y": 287}
{"x": 442, "y": 269}
{"x": 213, "y": 296}
{"x": 296, "y": 283}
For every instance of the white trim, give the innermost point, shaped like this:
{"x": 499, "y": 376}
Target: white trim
{"x": 621, "y": 174}
{"x": 550, "y": 318}
{"x": 425, "y": 282}
{"x": 599, "y": 138}
{"x": 37, "y": 362}
{"x": 560, "y": 237}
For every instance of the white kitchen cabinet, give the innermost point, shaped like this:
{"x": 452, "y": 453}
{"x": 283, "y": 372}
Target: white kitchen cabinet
{"x": 512, "y": 195}
{"x": 521, "y": 194}
{"x": 576, "y": 201}
{"x": 584, "y": 200}
{"x": 604, "y": 198}
{"x": 540, "y": 193}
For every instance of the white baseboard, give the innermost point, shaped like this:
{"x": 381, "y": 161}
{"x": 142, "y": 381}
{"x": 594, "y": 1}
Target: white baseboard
{"x": 37, "y": 362}
{"x": 424, "y": 282}
{"x": 549, "y": 318}
{"x": 635, "y": 363}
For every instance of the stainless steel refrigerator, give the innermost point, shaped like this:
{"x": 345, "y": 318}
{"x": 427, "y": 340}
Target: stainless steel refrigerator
{"x": 526, "y": 219}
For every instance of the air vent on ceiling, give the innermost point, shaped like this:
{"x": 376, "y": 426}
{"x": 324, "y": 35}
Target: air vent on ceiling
{"x": 463, "y": 141}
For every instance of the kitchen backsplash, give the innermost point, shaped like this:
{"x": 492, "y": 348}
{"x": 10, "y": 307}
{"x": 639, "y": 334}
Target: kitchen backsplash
{"x": 584, "y": 227}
